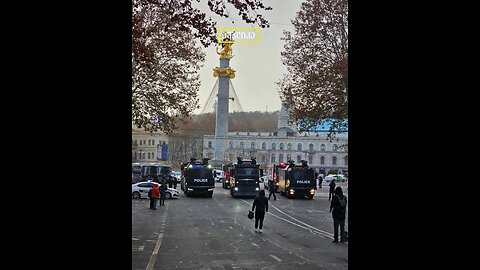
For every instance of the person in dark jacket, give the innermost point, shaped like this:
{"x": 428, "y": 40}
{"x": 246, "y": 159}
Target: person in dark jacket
{"x": 163, "y": 193}
{"x": 332, "y": 189}
{"x": 150, "y": 197}
{"x": 339, "y": 207}
{"x": 271, "y": 189}
{"x": 320, "y": 181}
{"x": 260, "y": 206}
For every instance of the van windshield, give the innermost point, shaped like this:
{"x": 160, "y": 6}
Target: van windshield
{"x": 301, "y": 174}
{"x": 247, "y": 172}
{"x": 200, "y": 173}
{"x": 165, "y": 171}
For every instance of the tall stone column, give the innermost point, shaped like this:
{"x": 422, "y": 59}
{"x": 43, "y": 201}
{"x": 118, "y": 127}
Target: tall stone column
{"x": 224, "y": 74}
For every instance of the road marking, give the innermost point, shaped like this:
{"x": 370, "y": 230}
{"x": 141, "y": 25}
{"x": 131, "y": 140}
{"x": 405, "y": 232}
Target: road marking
{"x": 255, "y": 245}
{"x": 306, "y": 226}
{"x": 140, "y": 248}
{"x": 135, "y": 238}
{"x": 153, "y": 257}
{"x": 275, "y": 257}
{"x": 241, "y": 235}
{"x": 322, "y": 231}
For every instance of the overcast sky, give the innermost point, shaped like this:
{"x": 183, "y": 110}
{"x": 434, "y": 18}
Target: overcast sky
{"x": 258, "y": 66}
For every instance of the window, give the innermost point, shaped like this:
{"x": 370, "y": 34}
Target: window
{"x": 310, "y": 147}
{"x": 145, "y": 185}
{"x": 322, "y": 148}
{"x": 144, "y": 142}
{"x": 299, "y": 147}
{"x": 322, "y": 160}
{"x": 289, "y": 157}
{"x": 153, "y": 142}
{"x": 346, "y": 160}
{"x": 281, "y": 146}
{"x": 153, "y": 155}
{"x": 252, "y": 145}
{"x": 209, "y": 144}
{"x": 274, "y": 146}
{"x": 148, "y": 152}
{"x": 334, "y": 160}
{"x": 263, "y": 158}
{"x": 273, "y": 158}
{"x": 230, "y": 144}
{"x": 143, "y": 155}
{"x": 334, "y": 148}
{"x": 280, "y": 158}
{"x": 310, "y": 160}
{"x": 299, "y": 159}
{"x": 135, "y": 156}
{"x": 230, "y": 156}
{"x": 242, "y": 145}
{"x": 289, "y": 146}
{"x": 140, "y": 142}
{"x": 264, "y": 146}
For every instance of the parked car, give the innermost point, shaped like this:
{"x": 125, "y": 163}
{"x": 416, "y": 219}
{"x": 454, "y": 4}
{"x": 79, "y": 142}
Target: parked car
{"x": 176, "y": 175}
{"x": 335, "y": 177}
{"x": 263, "y": 179}
{"x": 140, "y": 190}
{"x": 218, "y": 175}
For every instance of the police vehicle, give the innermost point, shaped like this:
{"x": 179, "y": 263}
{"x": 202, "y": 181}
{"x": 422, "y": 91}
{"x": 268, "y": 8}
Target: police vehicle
{"x": 244, "y": 178}
{"x": 299, "y": 181}
{"x": 144, "y": 171}
{"x": 197, "y": 178}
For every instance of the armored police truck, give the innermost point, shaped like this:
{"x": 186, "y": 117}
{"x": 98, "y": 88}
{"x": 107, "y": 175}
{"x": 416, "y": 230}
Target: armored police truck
{"x": 299, "y": 181}
{"x": 244, "y": 178}
{"x": 197, "y": 178}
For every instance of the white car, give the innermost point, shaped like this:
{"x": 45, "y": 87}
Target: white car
{"x": 176, "y": 175}
{"x": 219, "y": 175}
{"x": 140, "y": 190}
{"x": 336, "y": 177}
{"x": 263, "y": 179}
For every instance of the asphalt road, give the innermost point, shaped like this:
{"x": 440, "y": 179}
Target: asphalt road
{"x": 215, "y": 233}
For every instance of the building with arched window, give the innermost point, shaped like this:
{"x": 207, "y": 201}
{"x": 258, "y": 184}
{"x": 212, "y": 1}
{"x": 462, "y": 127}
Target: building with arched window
{"x": 314, "y": 147}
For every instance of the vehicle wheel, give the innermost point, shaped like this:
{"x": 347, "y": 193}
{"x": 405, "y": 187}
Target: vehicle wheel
{"x": 210, "y": 194}
{"x": 136, "y": 195}
{"x": 310, "y": 197}
{"x": 187, "y": 193}
{"x": 282, "y": 193}
{"x": 169, "y": 195}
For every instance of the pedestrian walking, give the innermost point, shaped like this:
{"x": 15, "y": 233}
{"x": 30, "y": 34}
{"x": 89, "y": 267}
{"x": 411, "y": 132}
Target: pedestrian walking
{"x": 320, "y": 181}
{"x": 338, "y": 208}
{"x": 260, "y": 206}
{"x": 272, "y": 189}
{"x": 154, "y": 195}
{"x": 332, "y": 189}
{"x": 163, "y": 193}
